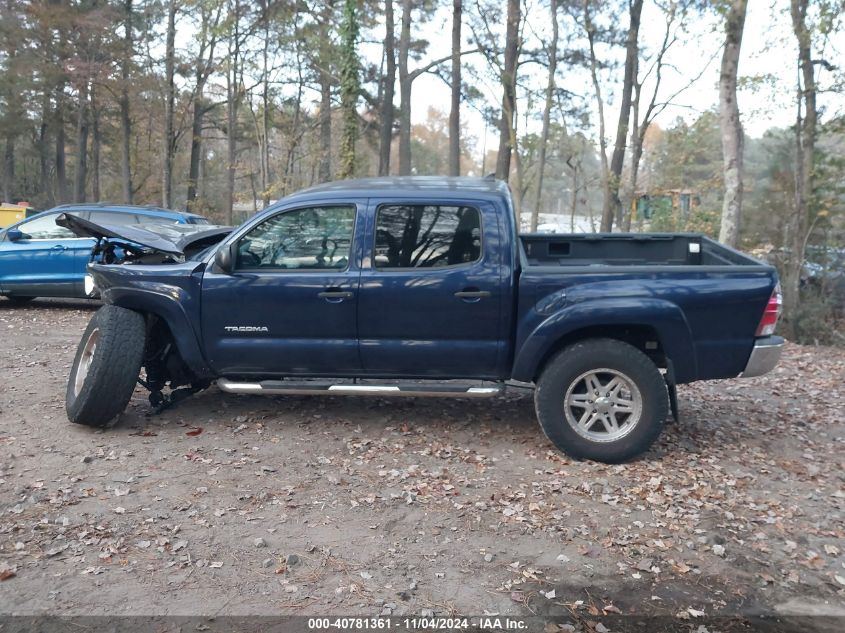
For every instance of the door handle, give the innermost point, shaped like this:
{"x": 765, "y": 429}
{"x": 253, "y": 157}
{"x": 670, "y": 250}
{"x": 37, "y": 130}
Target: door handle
{"x": 472, "y": 294}
{"x": 59, "y": 247}
{"x": 333, "y": 295}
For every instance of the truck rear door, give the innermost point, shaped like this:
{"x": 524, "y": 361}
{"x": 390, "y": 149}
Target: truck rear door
{"x": 431, "y": 291}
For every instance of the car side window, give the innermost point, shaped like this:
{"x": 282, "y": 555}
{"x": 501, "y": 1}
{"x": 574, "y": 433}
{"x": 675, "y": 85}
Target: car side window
{"x": 427, "y": 236}
{"x": 114, "y": 218}
{"x": 314, "y": 238}
{"x": 45, "y": 228}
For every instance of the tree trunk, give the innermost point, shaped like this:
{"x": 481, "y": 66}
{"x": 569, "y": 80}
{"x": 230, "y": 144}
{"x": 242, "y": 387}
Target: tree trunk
{"x": 637, "y": 140}
{"x": 169, "y": 104}
{"x": 232, "y": 88}
{"x": 96, "y": 143}
{"x": 197, "y": 119}
{"x": 547, "y": 109}
{"x": 731, "y": 126}
{"x": 264, "y": 149}
{"x": 805, "y": 144}
{"x": 349, "y": 88}
{"x": 325, "y": 170}
{"x": 44, "y": 150}
{"x": 618, "y": 158}
{"x": 9, "y": 169}
{"x": 387, "y": 113}
{"x": 455, "y": 111}
{"x": 204, "y": 63}
{"x": 506, "y": 122}
{"x": 81, "y": 144}
{"x": 125, "y": 113}
{"x": 405, "y": 91}
{"x": 606, "y": 210}
{"x": 61, "y": 167}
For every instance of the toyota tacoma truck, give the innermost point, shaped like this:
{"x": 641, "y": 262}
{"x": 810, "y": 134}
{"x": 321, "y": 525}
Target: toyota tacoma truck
{"x": 423, "y": 287}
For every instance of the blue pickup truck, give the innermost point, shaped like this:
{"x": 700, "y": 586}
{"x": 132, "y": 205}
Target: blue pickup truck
{"x": 422, "y": 287}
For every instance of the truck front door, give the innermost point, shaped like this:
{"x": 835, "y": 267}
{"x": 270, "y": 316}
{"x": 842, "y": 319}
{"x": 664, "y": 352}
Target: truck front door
{"x": 431, "y": 291}
{"x": 289, "y": 305}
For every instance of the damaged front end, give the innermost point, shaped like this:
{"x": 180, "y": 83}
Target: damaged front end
{"x": 151, "y": 269}
{"x": 159, "y": 243}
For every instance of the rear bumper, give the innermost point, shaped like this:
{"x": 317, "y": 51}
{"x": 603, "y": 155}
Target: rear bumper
{"x": 764, "y": 356}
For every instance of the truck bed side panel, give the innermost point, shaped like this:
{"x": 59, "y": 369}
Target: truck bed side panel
{"x": 704, "y": 317}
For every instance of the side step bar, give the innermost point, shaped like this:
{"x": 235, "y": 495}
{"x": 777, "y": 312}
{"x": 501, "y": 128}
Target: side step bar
{"x": 291, "y": 388}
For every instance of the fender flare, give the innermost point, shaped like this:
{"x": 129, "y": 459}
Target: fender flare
{"x": 166, "y": 302}
{"x": 666, "y": 318}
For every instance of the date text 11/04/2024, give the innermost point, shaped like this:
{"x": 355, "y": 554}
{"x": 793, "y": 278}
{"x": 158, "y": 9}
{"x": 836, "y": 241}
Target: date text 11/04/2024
{"x": 483, "y": 623}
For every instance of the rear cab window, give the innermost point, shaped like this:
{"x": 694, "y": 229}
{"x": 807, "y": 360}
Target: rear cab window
{"x": 426, "y": 236}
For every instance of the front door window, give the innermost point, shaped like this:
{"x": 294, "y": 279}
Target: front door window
{"x": 316, "y": 238}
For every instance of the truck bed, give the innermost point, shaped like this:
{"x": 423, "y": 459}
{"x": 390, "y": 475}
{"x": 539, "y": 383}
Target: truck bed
{"x": 700, "y": 298}
{"x": 628, "y": 249}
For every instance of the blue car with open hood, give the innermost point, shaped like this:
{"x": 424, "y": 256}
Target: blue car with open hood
{"x": 39, "y": 258}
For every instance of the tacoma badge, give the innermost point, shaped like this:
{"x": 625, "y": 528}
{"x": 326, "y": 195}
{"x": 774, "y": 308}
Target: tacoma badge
{"x": 245, "y": 328}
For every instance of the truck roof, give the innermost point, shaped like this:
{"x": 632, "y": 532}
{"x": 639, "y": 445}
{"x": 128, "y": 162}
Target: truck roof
{"x": 417, "y": 186}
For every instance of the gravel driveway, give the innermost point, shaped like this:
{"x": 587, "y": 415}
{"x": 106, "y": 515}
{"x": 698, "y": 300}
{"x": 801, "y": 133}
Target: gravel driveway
{"x": 308, "y": 505}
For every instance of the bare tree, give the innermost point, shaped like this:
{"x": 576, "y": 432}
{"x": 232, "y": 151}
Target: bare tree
{"x": 349, "y": 87}
{"x": 326, "y": 81}
{"x": 203, "y": 67}
{"x": 169, "y": 105}
{"x": 805, "y": 145}
{"x": 547, "y": 109}
{"x": 591, "y": 31}
{"x": 406, "y": 80}
{"x": 123, "y": 102}
{"x": 387, "y": 109}
{"x": 82, "y": 141}
{"x": 234, "y": 73}
{"x": 674, "y": 13}
{"x": 731, "y": 126}
{"x": 508, "y": 77}
{"x": 455, "y": 109}
{"x": 405, "y": 90}
{"x": 617, "y": 160}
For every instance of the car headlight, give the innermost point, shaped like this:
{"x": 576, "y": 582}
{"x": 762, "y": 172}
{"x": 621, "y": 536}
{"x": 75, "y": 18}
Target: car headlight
{"x": 90, "y": 287}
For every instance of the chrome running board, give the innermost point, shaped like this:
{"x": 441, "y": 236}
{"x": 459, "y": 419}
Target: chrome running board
{"x": 314, "y": 388}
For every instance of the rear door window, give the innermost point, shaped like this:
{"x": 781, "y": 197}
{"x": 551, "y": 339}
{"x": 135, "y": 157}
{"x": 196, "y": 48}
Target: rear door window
{"x": 427, "y": 236}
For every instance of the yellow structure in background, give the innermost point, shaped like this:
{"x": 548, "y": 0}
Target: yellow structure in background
{"x": 11, "y": 213}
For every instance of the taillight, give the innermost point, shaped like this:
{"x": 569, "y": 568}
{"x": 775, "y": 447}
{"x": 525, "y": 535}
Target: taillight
{"x": 771, "y": 314}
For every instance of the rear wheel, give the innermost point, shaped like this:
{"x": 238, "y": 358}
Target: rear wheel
{"x": 601, "y": 399}
{"x": 106, "y": 367}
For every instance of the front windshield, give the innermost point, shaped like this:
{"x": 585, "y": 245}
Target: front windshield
{"x": 201, "y": 255}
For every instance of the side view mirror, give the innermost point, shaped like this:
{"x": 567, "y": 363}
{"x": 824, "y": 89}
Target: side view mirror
{"x": 13, "y": 235}
{"x": 224, "y": 258}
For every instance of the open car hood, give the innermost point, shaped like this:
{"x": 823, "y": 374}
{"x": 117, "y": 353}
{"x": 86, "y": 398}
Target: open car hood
{"x": 172, "y": 239}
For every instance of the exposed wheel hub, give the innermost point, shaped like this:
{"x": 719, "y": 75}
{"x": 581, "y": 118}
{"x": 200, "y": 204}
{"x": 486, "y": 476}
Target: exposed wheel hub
{"x": 603, "y": 405}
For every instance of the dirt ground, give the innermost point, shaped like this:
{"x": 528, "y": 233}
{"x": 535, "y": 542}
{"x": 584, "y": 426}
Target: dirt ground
{"x": 308, "y": 505}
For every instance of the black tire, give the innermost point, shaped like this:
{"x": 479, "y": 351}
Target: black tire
{"x": 109, "y": 355}
{"x": 19, "y": 300}
{"x": 571, "y": 371}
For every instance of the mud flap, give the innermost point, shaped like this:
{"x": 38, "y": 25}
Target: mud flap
{"x": 673, "y": 400}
